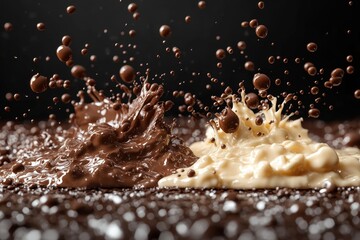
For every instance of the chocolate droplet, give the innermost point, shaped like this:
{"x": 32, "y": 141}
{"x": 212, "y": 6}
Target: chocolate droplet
{"x": 127, "y": 73}
{"x": 312, "y": 71}
{"x": 228, "y": 121}
{"x": 311, "y": 47}
{"x": 249, "y": 66}
{"x": 337, "y": 72}
{"x": 40, "y": 26}
{"x": 253, "y": 23}
{"x": 307, "y": 65}
{"x": 252, "y": 100}
{"x": 314, "y": 113}
{"x": 201, "y": 4}
{"x": 78, "y": 71}
{"x": 220, "y": 54}
{"x": 65, "y": 98}
{"x": 191, "y": 173}
{"x": 70, "y": 9}
{"x": 258, "y": 120}
{"x": 165, "y": 31}
{"x": 38, "y": 83}
{"x": 66, "y": 40}
{"x": 241, "y": 45}
{"x": 357, "y": 94}
{"x": 261, "y": 31}
{"x": 64, "y": 53}
{"x": 132, "y": 7}
{"x": 261, "y": 5}
{"x": 8, "y": 27}
{"x": 261, "y": 81}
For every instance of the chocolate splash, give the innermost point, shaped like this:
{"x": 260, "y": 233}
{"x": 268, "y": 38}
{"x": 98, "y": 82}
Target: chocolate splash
{"x": 110, "y": 145}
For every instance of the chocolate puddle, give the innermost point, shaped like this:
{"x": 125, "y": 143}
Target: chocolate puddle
{"x": 111, "y": 145}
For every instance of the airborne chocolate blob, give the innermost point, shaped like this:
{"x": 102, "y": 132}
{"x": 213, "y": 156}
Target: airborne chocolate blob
{"x": 111, "y": 145}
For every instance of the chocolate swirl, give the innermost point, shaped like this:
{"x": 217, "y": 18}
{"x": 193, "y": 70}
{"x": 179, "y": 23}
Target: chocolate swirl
{"x": 111, "y": 145}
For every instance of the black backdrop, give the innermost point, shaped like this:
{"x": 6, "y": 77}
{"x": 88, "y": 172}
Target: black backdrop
{"x": 291, "y": 24}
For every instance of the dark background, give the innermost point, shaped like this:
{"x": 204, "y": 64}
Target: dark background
{"x": 291, "y": 24}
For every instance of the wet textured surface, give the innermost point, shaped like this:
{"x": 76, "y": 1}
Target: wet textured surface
{"x": 175, "y": 213}
{"x": 60, "y": 213}
{"x": 111, "y": 145}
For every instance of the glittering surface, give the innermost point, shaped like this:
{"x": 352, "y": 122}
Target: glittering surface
{"x": 175, "y": 213}
{"x": 60, "y": 213}
{"x": 110, "y": 145}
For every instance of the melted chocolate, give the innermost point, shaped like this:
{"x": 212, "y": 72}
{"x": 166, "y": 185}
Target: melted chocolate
{"x": 38, "y": 83}
{"x": 127, "y": 73}
{"x": 126, "y": 146}
{"x": 64, "y": 53}
{"x": 261, "y": 81}
{"x": 165, "y": 31}
{"x": 228, "y": 121}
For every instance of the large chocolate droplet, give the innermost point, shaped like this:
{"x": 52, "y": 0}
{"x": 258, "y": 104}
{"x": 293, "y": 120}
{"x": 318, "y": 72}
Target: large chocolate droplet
{"x": 127, "y": 73}
{"x": 261, "y": 81}
{"x": 228, "y": 121}
{"x": 38, "y": 83}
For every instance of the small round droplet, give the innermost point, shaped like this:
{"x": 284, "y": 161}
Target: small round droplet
{"x": 261, "y": 31}
{"x": 271, "y": 59}
{"x": 132, "y": 7}
{"x": 70, "y": 9}
{"x": 201, "y": 4}
{"x": 314, "y": 113}
{"x": 244, "y": 24}
{"x": 357, "y": 94}
{"x": 312, "y": 71}
{"x": 38, "y": 83}
{"x": 220, "y": 54}
{"x": 253, "y": 23}
{"x": 337, "y": 72}
{"x": 349, "y": 58}
{"x": 314, "y": 90}
{"x": 261, "y": 81}
{"x": 307, "y": 65}
{"x": 84, "y": 51}
{"x": 8, "y": 27}
{"x": 136, "y": 15}
{"x": 165, "y": 31}
{"x": 241, "y": 45}
{"x": 228, "y": 121}
{"x": 252, "y": 100}
{"x": 66, "y": 40}
{"x": 17, "y": 97}
{"x": 66, "y": 98}
{"x": 259, "y": 120}
{"x": 78, "y": 71}
{"x": 187, "y": 19}
{"x": 64, "y": 53}
{"x": 261, "y": 5}
{"x": 311, "y": 47}
{"x": 249, "y": 66}
{"x": 127, "y": 73}
{"x": 350, "y": 69}
{"x": 132, "y": 33}
{"x": 191, "y": 173}
{"x": 40, "y": 26}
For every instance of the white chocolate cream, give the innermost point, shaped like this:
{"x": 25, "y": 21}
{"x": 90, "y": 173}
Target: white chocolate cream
{"x": 277, "y": 153}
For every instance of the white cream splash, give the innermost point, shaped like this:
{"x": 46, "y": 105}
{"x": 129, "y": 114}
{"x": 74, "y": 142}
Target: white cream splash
{"x": 277, "y": 153}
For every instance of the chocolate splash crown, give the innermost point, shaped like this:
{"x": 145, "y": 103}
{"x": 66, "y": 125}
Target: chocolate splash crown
{"x": 111, "y": 144}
